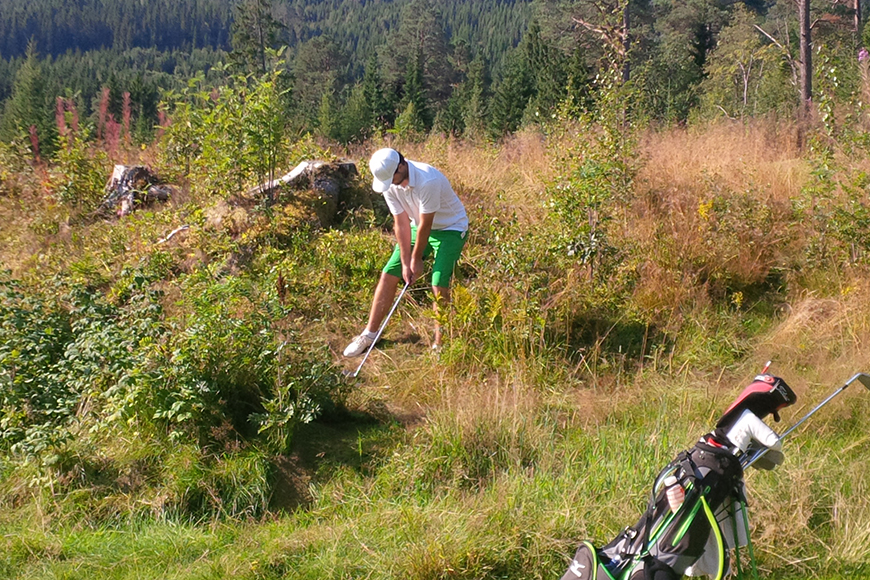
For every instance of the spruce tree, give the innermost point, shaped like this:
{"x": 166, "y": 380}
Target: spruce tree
{"x": 421, "y": 37}
{"x": 318, "y": 69}
{"x": 547, "y": 74}
{"x": 510, "y": 97}
{"x": 475, "y": 109}
{"x": 415, "y": 102}
{"x": 30, "y": 105}
{"x": 380, "y": 114}
{"x": 355, "y": 119}
{"x": 254, "y": 33}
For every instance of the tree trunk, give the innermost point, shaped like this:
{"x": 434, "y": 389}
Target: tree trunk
{"x": 806, "y": 51}
{"x": 626, "y": 42}
{"x": 857, "y": 18}
{"x": 806, "y": 57}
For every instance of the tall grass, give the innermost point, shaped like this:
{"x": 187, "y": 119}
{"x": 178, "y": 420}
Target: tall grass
{"x": 560, "y": 393}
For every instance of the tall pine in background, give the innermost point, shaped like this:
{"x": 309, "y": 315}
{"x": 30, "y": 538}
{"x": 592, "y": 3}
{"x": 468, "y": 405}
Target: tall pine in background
{"x": 510, "y": 96}
{"x": 416, "y": 116}
{"x": 254, "y": 32}
{"x": 30, "y": 109}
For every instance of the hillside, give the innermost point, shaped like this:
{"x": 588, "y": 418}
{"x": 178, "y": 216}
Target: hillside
{"x": 563, "y": 387}
{"x": 58, "y": 27}
{"x": 648, "y": 227}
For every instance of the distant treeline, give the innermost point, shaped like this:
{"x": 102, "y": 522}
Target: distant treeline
{"x": 58, "y": 26}
{"x": 357, "y": 27}
{"x": 53, "y": 48}
{"x": 474, "y": 68}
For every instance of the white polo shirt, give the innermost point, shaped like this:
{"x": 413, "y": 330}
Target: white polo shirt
{"x": 428, "y": 191}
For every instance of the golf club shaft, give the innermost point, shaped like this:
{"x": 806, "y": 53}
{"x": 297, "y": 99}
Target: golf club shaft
{"x": 763, "y": 450}
{"x": 382, "y": 327}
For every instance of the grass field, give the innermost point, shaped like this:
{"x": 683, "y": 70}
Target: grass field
{"x": 609, "y": 306}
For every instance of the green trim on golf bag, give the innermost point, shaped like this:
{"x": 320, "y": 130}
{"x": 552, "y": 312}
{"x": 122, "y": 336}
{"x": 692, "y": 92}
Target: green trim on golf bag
{"x": 586, "y": 566}
{"x": 748, "y": 536}
{"x": 710, "y": 476}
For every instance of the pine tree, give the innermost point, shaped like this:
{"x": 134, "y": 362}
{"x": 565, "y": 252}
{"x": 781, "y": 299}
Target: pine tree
{"x": 318, "y": 69}
{"x": 355, "y": 118}
{"x": 475, "y": 113}
{"x": 380, "y": 113}
{"x": 547, "y": 73}
{"x": 510, "y": 98}
{"x": 254, "y": 32}
{"x": 420, "y": 37}
{"x": 415, "y": 99}
{"x": 326, "y": 118}
{"x": 30, "y": 105}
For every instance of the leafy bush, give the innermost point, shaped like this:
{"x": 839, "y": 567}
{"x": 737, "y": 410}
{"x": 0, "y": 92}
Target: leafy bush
{"x": 223, "y": 138}
{"x": 224, "y": 363}
{"x": 60, "y": 356}
{"x": 34, "y": 331}
{"x": 79, "y": 176}
{"x": 14, "y": 167}
{"x": 220, "y": 375}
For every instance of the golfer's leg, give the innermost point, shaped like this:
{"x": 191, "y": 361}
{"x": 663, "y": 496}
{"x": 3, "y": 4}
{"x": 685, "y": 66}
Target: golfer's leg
{"x": 447, "y": 247}
{"x": 385, "y": 293}
{"x": 442, "y": 299}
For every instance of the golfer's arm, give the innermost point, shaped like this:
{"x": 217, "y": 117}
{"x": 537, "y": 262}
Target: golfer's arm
{"x": 423, "y": 230}
{"x": 402, "y": 227}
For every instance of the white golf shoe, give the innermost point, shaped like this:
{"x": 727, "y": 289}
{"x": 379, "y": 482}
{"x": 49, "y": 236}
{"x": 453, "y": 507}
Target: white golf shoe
{"x": 358, "y": 345}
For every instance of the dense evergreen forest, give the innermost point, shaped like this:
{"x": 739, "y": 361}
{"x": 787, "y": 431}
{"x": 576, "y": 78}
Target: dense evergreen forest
{"x": 464, "y": 67}
{"x": 77, "y": 49}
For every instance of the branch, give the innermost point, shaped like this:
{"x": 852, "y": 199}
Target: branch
{"x": 724, "y": 112}
{"x": 772, "y": 39}
{"x": 612, "y": 35}
{"x": 172, "y": 233}
{"x": 785, "y": 51}
{"x": 588, "y": 26}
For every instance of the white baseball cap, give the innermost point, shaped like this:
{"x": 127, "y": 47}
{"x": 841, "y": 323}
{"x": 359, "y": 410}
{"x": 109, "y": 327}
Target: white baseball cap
{"x": 383, "y": 165}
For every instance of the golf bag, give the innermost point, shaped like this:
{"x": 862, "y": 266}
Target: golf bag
{"x": 692, "y": 536}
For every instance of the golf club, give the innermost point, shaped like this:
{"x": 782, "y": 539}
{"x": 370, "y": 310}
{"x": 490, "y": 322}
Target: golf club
{"x": 862, "y": 378}
{"x": 380, "y": 331}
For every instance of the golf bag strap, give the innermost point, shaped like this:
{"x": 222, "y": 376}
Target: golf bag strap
{"x": 717, "y": 533}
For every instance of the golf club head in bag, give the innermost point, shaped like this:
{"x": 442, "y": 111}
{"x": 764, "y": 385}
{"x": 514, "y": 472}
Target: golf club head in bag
{"x": 751, "y": 458}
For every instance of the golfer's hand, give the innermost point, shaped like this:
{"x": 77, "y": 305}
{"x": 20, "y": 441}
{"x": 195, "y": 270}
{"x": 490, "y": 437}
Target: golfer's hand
{"x": 407, "y": 275}
{"x": 416, "y": 269}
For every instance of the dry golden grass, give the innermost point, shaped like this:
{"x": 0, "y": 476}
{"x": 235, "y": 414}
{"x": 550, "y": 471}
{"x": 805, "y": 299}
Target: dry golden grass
{"x": 712, "y": 210}
{"x": 825, "y": 337}
{"x": 734, "y": 155}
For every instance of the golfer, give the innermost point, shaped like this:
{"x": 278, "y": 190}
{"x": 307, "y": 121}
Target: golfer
{"x": 428, "y": 219}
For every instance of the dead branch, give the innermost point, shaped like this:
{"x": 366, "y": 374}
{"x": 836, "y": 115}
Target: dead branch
{"x": 172, "y": 233}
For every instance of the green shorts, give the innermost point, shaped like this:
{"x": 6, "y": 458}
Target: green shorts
{"x": 446, "y": 245}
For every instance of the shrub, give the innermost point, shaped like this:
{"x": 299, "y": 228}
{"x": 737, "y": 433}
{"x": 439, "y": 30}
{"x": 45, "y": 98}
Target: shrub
{"x": 79, "y": 177}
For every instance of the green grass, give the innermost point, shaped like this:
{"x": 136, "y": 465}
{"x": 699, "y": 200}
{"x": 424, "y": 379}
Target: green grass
{"x": 509, "y": 506}
{"x": 559, "y": 395}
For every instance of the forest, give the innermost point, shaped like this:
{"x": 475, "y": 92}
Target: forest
{"x": 664, "y": 198}
{"x": 351, "y": 69}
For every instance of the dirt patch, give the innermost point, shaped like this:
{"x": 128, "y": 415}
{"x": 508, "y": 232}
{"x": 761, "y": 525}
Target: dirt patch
{"x": 291, "y": 489}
